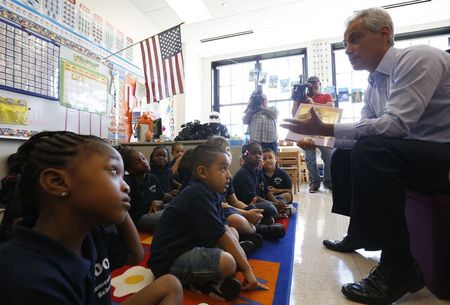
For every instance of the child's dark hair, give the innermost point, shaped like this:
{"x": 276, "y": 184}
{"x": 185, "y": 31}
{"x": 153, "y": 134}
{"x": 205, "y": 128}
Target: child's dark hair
{"x": 218, "y": 141}
{"x": 269, "y": 150}
{"x": 12, "y": 164}
{"x": 247, "y": 147}
{"x": 126, "y": 152}
{"x": 175, "y": 145}
{"x": 48, "y": 149}
{"x": 185, "y": 168}
{"x": 205, "y": 155}
{"x": 153, "y": 153}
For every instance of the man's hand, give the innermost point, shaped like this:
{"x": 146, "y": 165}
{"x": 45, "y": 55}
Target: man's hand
{"x": 306, "y": 143}
{"x": 309, "y": 100}
{"x": 312, "y": 126}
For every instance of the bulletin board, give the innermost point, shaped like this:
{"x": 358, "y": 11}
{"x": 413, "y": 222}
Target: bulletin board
{"x": 83, "y": 107}
{"x": 28, "y": 63}
{"x": 84, "y": 88}
{"x": 78, "y": 95}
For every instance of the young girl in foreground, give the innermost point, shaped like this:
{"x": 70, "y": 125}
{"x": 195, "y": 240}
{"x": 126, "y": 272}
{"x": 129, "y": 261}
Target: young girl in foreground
{"x": 73, "y": 186}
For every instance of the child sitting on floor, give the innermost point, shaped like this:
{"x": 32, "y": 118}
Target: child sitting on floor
{"x": 146, "y": 193}
{"x": 277, "y": 180}
{"x": 177, "y": 152}
{"x": 192, "y": 240}
{"x": 249, "y": 182}
{"x": 72, "y": 186}
{"x": 159, "y": 166}
{"x": 246, "y": 218}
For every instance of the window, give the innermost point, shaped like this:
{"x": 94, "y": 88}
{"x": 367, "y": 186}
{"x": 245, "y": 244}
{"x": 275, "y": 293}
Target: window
{"x": 234, "y": 81}
{"x": 349, "y": 82}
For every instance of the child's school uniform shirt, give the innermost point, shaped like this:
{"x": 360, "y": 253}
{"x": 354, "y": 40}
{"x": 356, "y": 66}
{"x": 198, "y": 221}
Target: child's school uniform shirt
{"x": 142, "y": 193}
{"x": 164, "y": 176}
{"x": 36, "y": 269}
{"x": 279, "y": 180}
{"x": 248, "y": 183}
{"x": 175, "y": 175}
{"x": 194, "y": 218}
{"x": 228, "y": 192}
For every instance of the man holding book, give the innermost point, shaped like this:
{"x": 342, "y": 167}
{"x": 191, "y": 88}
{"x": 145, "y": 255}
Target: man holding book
{"x": 401, "y": 142}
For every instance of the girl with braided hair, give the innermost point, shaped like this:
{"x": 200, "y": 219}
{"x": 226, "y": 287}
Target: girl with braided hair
{"x": 72, "y": 186}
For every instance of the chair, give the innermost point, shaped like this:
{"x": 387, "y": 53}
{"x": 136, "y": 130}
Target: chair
{"x": 289, "y": 161}
{"x": 303, "y": 169}
{"x": 428, "y": 219}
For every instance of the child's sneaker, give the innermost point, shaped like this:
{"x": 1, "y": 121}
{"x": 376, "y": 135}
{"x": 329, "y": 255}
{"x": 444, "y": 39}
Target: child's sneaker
{"x": 267, "y": 221}
{"x": 247, "y": 246}
{"x": 274, "y": 231}
{"x": 225, "y": 290}
{"x": 255, "y": 238}
{"x": 290, "y": 210}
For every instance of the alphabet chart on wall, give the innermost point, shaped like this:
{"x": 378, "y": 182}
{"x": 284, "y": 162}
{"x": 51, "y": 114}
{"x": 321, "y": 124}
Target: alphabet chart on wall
{"x": 28, "y": 64}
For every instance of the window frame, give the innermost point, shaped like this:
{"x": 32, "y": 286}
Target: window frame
{"x": 215, "y": 75}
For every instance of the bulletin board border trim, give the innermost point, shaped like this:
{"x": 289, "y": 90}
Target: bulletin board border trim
{"x": 61, "y": 40}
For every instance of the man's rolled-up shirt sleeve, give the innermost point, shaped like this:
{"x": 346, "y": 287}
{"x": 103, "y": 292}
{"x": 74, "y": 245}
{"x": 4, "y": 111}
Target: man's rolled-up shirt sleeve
{"x": 416, "y": 78}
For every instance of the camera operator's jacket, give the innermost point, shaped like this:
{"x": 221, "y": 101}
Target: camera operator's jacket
{"x": 262, "y": 124}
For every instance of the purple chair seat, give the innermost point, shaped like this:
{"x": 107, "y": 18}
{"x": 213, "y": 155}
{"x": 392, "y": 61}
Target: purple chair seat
{"x": 428, "y": 219}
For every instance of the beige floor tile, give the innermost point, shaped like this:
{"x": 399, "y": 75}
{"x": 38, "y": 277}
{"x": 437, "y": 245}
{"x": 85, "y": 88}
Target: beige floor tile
{"x": 319, "y": 273}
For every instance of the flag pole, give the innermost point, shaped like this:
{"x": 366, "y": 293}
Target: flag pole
{"x": 117, "y": 52}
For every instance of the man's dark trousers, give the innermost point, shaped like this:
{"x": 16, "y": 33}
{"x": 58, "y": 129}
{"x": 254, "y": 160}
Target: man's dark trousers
{"x": 370, "y": 183}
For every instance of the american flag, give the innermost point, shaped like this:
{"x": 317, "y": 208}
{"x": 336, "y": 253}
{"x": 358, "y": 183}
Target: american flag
{"x": 163, "y": 65}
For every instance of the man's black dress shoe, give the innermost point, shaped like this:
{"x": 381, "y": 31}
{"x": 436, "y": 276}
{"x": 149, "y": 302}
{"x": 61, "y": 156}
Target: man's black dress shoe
{"x": 349, "y": 244}
{"x": 384, "y": 286}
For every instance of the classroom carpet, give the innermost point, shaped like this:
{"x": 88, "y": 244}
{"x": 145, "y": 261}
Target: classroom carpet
{"x": 272, "y": 265}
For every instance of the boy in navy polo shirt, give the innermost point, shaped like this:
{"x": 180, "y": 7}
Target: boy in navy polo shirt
{"x": 192, "y": 240}
{"x": 249, "y": 183}
{"x": 278, "y": 181}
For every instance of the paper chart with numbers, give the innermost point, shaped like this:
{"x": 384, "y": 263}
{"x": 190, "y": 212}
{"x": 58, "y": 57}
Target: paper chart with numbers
{"x": 28, "y": 64}
{"x": 83, "y": 89}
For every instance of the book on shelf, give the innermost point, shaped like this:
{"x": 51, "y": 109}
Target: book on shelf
{"x": 329, "y": 115}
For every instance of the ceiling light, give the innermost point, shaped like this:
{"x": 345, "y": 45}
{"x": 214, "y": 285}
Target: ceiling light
{"x": 226, "y": 36}
{"x": 190, "y": 11}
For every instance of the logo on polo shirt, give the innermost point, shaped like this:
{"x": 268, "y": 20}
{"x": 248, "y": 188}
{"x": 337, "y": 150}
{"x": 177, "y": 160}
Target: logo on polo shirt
{"x": 152, "y": 188}
{"x": 278, "y": 180}
{"x": 103, "y": 284}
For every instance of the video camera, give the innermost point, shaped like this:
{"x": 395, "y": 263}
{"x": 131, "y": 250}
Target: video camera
{"x": 300, "y": 90}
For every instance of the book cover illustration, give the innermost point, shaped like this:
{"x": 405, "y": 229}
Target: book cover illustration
{"x": 329, "y": 115}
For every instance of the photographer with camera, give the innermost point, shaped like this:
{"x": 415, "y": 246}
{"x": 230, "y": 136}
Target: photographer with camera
{"x": 261, "y": 121}
{"x": 309, "y": 93}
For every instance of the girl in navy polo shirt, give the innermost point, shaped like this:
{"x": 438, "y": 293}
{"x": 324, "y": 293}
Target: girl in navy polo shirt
{"x": 159, "y": 166}
{"x": 249, "y": 182}
{"x": 72, "y": 186}
{"x": 146, "y": 193}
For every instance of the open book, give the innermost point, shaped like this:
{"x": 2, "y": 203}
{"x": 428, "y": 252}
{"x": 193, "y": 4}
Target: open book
{"x": 327, "y": 114}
